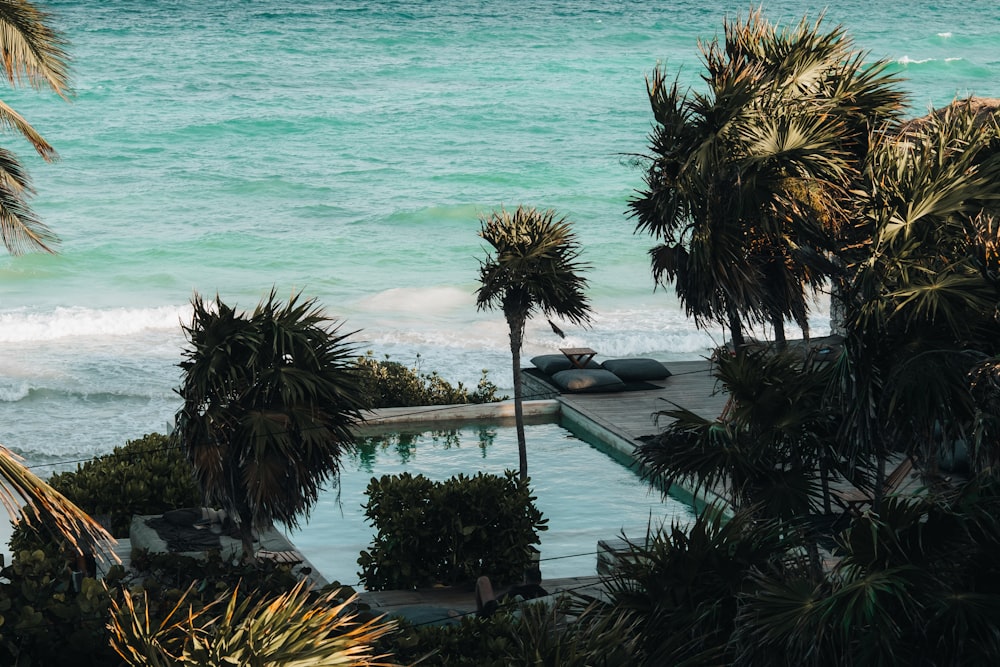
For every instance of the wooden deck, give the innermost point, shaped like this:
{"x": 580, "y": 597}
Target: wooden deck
{"x": 633, "y": 414}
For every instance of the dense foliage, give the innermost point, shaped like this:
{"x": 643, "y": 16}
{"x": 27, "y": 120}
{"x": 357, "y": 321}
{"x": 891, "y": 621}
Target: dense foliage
{"x": 446, "y": 532}
{"x": 51, "y": 616}
{"x": 150, "y": 476}
{"x": 390, "y": 384}
{"x": 531, "y": 633}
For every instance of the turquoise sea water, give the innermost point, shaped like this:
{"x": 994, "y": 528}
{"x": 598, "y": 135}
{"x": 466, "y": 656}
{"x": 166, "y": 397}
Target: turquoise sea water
{"x": 347, "y": 150}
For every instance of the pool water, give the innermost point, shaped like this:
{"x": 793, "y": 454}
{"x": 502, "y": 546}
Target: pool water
{"x": 585, "y": 494}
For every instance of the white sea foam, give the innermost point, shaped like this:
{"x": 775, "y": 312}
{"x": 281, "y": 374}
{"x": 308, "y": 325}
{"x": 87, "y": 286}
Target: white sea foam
{"x": 945, "y": 35}
{"x": 413, "y": 300}
{"x": 78, "y": 322}
{"x": 907, "y": 60}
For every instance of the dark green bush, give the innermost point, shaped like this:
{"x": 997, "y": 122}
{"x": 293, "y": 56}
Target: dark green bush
{"x": 46, "y": 620}
{"x": 449, "y": 532}
{"x": 390, "y": 384}
{"x": 146, "y": 476}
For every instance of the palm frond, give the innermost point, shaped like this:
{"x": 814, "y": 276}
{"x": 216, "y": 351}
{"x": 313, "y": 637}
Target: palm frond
{"x": 19, "y": 486}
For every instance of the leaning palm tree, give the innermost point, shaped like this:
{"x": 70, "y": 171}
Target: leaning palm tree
{"x": 532, "y": 266}
{"x": 32, "y": 53}
{"x": 746, "y": 183}
{"x": 270, "y": 399}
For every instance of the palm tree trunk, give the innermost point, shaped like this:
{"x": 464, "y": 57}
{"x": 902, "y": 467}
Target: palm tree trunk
{"x": 735, "y": 328}
{"x": 778, "y": 321}
{"x": 516, "y": 339}
{"x": 246, "y": 535}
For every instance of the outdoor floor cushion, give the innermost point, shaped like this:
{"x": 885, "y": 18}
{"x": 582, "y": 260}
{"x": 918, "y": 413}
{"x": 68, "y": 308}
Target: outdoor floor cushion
{"x": 633, "y": 370}
{"x": 588, "y": 380}
{"x": 550, "y": 364}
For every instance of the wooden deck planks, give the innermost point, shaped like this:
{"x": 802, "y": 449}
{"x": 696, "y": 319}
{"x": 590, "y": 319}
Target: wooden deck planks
{"x": 632, "y": 414}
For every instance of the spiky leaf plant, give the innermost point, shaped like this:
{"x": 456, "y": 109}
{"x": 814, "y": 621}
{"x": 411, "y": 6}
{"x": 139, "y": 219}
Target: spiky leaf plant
{"x": 293, "y": 629}
{"x": 270, "y": 398}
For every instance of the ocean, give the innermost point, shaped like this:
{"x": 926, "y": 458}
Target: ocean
{"x": 346, "y": 150}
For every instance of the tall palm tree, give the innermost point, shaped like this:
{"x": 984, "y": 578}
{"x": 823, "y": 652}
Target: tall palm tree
{"x": 33, "y": 53}
{"x": 270, "y": 398}
{"x": 746, "y": 184}
{"x": 532, "y": 266}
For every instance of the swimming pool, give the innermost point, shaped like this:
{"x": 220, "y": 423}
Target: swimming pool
{"x": 584, "y": 493}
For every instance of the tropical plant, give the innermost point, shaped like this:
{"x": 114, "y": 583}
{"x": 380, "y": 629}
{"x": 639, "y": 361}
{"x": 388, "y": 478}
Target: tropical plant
{"x": 52, "y": 616}
{"x": 746, "y": 184}
{"x": 430, "y": 533}
{"x": 289, "y": 629}
{"x": 559, "y": 632}
{"x": 684, "y": 585}
{"x": 390, "y": 384}
{"x": 270, "y": 399}
{"x": 915, "y": 584}
{"x": 532, "y": 264}
{"x": 773, "y": 448}
{"x": 921, "y": 309}
{"x": 33, "y": 53}
{"x": 149, "y": 475}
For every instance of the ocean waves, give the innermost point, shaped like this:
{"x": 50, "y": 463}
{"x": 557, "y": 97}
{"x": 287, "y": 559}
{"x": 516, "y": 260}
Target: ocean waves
{"x": 79, "y": 322}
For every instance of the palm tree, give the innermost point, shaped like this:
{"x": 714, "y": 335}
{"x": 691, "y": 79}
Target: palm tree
{"x": 33, "y": 53}
{"x": 746, "y": 184}
{"x": 921, "y": 312}
{"x": 532, "y": 266}
{"x": 270, "y": 398}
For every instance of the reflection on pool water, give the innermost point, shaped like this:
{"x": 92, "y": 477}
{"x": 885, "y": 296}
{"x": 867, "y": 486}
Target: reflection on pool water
{"x": 583, "y": 492}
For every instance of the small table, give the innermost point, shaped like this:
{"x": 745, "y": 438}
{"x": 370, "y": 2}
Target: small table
{"x": 578, "y": 356}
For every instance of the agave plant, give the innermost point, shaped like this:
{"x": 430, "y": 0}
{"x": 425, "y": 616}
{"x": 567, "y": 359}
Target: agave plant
{"x": 294, "y": 628}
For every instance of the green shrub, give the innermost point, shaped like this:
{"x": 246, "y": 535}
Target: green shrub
{"x": 47, "y": 620}
{"x": 390, "y": 384}
{"x": 146, "y": 476}
{"x": 449, "y": 532}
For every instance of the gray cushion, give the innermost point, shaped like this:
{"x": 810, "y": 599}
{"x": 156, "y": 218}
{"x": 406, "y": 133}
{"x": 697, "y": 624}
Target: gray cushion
{"x": 588, "y": 380}
{"x": 551, "y": 364}
{"x": 636, "y": 370}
